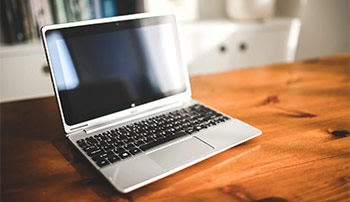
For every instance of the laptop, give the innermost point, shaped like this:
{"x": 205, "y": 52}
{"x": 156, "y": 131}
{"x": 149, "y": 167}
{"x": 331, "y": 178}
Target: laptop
{"x": 124, "y": 97}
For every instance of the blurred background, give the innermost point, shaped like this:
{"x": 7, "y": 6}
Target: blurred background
{"x": 217, "y": 35}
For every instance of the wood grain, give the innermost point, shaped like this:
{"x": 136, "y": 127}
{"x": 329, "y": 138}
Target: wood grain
{"x": 302, "y": 155}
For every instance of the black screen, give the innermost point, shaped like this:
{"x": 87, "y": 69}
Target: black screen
{"x": 105, "y": 68}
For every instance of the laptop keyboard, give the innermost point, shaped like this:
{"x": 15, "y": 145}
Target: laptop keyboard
{"x": 123, "y": 142}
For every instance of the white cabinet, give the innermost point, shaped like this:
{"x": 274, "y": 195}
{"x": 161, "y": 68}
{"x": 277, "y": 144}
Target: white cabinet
{"x": 23, "y": 73}
{"x": 215, "y": 46}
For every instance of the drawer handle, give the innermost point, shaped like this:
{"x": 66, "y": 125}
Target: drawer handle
{"x": 46, "y": 69}
{"x": 222, "y": 49}
{"x": 243, "y": 46}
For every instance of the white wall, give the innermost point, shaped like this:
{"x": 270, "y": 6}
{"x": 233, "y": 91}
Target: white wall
{"x": 325, "y": 29}
{"x": 212, "y": 9}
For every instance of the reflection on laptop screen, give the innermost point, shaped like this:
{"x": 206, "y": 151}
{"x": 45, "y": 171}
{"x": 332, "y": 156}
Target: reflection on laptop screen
{"x": 105, "y": 68}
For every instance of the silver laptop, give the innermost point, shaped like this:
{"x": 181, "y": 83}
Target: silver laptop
{"x": 124, "y": 97}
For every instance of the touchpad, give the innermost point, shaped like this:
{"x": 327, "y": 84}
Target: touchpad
{"x": 180, "y": 153}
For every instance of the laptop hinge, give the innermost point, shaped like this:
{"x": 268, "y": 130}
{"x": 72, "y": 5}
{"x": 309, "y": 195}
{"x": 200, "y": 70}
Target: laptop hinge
{"x": 130, "y": 118}
{"x": 75, "y": 132}
{"x": 79, "y": 127}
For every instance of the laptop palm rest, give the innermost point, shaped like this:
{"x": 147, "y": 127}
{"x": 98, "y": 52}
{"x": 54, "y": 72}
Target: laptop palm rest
{"x": 180, "y": 153}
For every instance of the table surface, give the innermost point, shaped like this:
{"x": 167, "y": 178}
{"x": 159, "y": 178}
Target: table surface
{"x": 302, "y": 155}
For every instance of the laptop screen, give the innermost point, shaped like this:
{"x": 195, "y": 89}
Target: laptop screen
{"x": 105, "y": 68}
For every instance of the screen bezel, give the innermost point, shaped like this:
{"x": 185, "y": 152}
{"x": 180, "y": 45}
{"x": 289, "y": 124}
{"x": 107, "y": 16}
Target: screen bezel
{"x": 132, "y": 111}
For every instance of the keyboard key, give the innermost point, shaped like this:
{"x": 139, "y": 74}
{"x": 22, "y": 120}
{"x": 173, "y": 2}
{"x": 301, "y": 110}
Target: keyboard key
{"x": 94, "y": 152}
{"x": 180, "y": 134}
{"x": 108, "y": 147}
{"x": 148, "y": 146}
{"x": 130, "y": 146}
{"x": 106, "y": 154}
{"x": 80, "y": 141}
{"x": 102, "y": 163}
{"x": 128, "y": 141}
{"x": 119, "y": 150}
{"x": 91, "y": 140}
{"x": 124, "y": 154}
{"x": 112, "y": 141}
{"x": 157, "y": 136}
{"x": 119, "y": 144}
{"x": 134, "y": 151}
{"x": 167, "y": 134}
{"x": 102, "y": 143}
{"x": 139, "y": 143}
{"x": 113, "y": 158}
{"x": 97, "y": 158}
{"x": 190, "y": 130}
{"x": 148, "y": 139}
{"x": 83, "y": 144}
{"x": 87, "y": 149}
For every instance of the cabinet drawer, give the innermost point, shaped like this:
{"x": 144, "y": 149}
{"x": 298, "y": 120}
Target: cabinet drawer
{"x": 24, "y": 76}
{"x": 205, "y": 55}
{"x": 207, "y": 48}
{"x": 262, "y": 48}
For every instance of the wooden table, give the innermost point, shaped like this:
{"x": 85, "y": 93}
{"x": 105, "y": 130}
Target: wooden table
{"x": 302, "y": 155}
